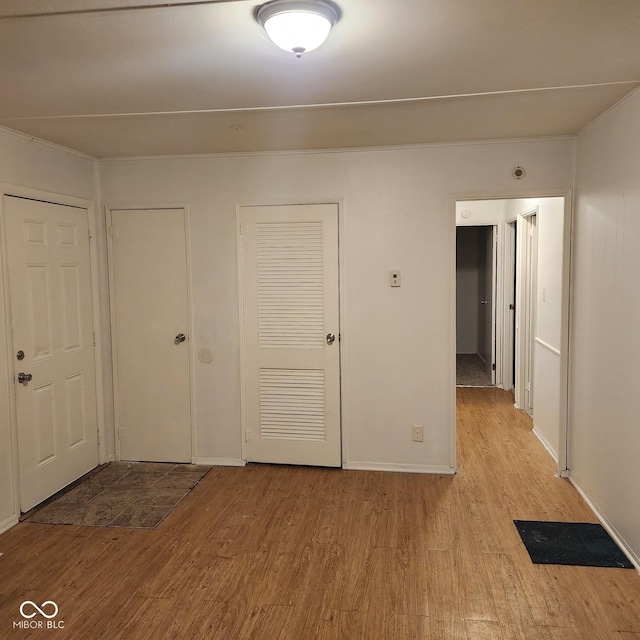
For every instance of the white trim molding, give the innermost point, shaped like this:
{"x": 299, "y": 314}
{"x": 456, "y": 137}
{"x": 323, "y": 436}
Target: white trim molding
{"x": 9, "y": 522}
{"x": 219, "y": 462}
{"x": 547, "y": 346}
{"x": 545, "y": 443}
{"x": 611, "y": 530}
{"x": 399, "y": 468}
{"x": 46, "y": 143}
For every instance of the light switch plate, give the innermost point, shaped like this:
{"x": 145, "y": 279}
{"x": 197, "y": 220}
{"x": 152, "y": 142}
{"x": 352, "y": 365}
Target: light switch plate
{"x": 395, "y": 278}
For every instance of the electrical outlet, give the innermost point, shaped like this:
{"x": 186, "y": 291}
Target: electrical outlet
{"x": 417, "y": 433}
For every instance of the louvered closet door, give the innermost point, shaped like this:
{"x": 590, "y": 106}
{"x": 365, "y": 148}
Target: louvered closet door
{"x": 290, "y": 301}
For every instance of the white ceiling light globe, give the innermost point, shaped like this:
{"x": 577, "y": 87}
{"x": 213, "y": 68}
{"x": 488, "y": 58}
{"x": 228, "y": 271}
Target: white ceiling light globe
{"x": 298, "y": 30}
{"x": 298, "y": 25}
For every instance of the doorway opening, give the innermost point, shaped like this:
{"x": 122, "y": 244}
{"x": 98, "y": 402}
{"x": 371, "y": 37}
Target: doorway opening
{"x": 475, "y": 303}
{"x": 512, "y": 306}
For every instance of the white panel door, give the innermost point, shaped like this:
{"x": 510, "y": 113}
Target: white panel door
{"x": 490, "y": 271}
{"x": 52, "y": 329}
{"x": 531, "y": 265}
{"x": 150, "y": 307}
{"x": 526, "y": 268}
{"x": 291, "y": 334}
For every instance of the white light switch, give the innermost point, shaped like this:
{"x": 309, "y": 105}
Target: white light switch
{"x": 395, "y": 278}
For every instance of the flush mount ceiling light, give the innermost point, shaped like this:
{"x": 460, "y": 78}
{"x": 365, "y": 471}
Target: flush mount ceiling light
{"x": 298, "y": 25}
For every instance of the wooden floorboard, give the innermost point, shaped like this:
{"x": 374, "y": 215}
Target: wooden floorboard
{"x": 296, "y": 553}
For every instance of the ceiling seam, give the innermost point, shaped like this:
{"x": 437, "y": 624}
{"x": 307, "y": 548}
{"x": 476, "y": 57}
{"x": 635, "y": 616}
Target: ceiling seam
{"x": 140, "y": 7}
{"x": 326, "y": 105}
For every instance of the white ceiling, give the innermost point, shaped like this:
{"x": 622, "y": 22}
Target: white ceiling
{"x": 204, "y": 78}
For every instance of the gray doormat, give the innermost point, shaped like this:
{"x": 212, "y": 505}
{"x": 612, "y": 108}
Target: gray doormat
{"x": 571, "y": 543}
{"x": 137, "y": 495}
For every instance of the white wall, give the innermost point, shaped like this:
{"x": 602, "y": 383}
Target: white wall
{"x": 398, "y": 345}
{"x": 471, "y": 213}
{"x": 548, "y": 323}
{"x": 549, "y": 277}
{"x": 605, "y": 319}
{"x": 467, "y": 290}
{"x": 26, "y": 163}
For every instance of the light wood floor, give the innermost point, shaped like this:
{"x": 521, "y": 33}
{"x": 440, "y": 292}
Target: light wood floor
{"x": 288, "y": 553}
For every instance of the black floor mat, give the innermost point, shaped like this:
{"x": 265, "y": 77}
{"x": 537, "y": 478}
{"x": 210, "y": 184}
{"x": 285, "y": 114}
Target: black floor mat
{"x": 570, "y": 543}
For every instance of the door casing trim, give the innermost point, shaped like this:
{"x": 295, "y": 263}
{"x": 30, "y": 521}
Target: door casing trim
{"x": 566, "y": 312}
{"x": 112, "y": 315}
{"x": 339, "y": 202}
{"x": 71, "y": 201}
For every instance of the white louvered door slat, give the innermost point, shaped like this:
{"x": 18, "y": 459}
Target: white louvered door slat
{"x": 290, "y": 302}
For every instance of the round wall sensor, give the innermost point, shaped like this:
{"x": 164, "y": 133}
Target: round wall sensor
{"x": 205, "y": 355}
{"x": 518, "y": 173}
{"x": 466, "y": 213}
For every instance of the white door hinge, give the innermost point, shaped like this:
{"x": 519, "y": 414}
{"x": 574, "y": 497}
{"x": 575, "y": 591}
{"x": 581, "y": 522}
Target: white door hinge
{"x": 94, "y": 339}
{"x": 248, "y": 435}
{"x": 243, "y": 228}
{"x": 121, "y": 434}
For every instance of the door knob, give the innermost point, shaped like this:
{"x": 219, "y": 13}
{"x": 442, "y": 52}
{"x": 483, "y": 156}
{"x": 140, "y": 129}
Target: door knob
{"x": 330, "y": 338}
{"x": 24, "y": 377}
{"x": 180, "y": 338}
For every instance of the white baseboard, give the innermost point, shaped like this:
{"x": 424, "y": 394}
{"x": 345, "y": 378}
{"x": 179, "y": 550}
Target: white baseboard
{"x": 220, "y": 462}
{"x": 545, "y": 443}
{"x": 7, "y": 523}
{"x": 611, "y": 530}
{"x": 402, "y": 468}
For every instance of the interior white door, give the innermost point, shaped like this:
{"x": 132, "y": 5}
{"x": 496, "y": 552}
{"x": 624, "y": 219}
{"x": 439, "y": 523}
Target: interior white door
{"x": 291, "y": 372}
{"x": 151, "y": 320}
{"x": 490, "y": 271}
{"x": 52, "y": 329}
{"x": 531, "y": 287}
{"x": 509, "y": 310}
{"x": 526, "y": 268}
